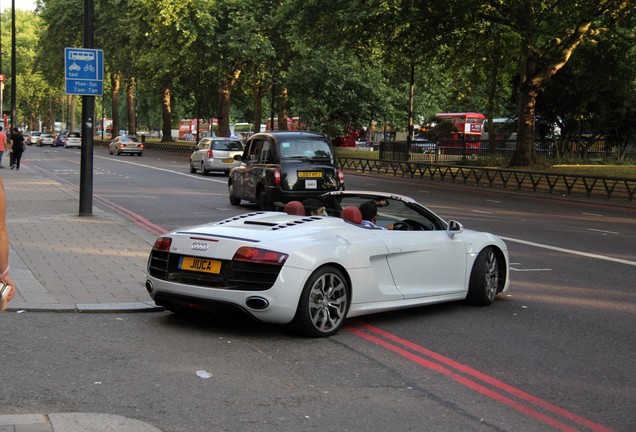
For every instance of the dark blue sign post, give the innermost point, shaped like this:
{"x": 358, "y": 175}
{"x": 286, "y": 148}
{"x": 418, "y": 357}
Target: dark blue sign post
{"x": 84, "y": 75}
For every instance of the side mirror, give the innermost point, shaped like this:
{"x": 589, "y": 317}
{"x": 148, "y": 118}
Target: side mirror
{"x": 453, "y": 228}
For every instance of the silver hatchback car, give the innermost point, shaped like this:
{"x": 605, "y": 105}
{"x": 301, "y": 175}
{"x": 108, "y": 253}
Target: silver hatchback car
{"x": 215, "y": 154}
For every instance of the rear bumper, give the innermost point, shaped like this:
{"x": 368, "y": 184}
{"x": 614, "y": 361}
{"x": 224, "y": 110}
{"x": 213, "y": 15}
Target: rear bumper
{"x": 278, "y": 194}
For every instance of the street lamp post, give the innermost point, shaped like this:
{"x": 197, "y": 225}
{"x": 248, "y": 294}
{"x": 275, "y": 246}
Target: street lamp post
{"x": 88, "y": 114}
{"x": 14, "y": 79}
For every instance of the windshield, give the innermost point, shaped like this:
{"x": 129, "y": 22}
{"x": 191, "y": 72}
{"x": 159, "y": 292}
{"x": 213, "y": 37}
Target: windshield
{"x": 306, "y": 149}
{"x": 227, "y": 145}
{"x": 389, "y": 210}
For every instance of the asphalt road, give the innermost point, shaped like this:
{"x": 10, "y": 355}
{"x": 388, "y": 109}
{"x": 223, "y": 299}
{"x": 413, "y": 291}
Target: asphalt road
{"x": 555, "y": 353}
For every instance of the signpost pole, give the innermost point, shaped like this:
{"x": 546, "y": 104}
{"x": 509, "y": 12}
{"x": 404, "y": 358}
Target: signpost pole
{"x": 88, "y": 114}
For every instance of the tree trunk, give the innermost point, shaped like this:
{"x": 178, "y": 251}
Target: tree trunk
{"x": 71, "y": 113}
{"x": 529, "y": 86}
{"x": 130, "y": 105}
{"x": 51, "y": 120}
{"x": 493, "y": 81}
{"x": 281, "y": 104}
{"x": 525, "y": 154}
{"x": 258, "y": 107}
{"x": 166, "y": 111}
{"x": 225, "y": 102}
{"x": 115, "y": 80}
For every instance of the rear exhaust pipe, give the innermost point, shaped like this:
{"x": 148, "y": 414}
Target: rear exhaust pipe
{"x": 257, "y": 303}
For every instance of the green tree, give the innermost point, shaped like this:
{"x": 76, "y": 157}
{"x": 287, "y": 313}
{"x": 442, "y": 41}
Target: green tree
{"x": 607, "y": 65}
{"x": 59, "y": 28}
{"x": 168, "y": 35}
{"x": 548, "y": 34}
{"x": 32, "y": 96}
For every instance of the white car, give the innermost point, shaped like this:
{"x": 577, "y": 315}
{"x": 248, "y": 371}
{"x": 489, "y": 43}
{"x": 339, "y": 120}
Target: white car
{"x": 32, "y": 137}
{"x": 126, "y": 145}
{"x": 215, "y": 154}
{"x": 73, "y": 140}
{"x": 315, "y": 271}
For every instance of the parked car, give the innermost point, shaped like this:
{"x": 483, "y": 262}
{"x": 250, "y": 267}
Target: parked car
{"x": 32, "y": 137}
{"x": 313, "y": 272}
{"x": 126, "y": 145}
{"x": 59, "y": 140}
{"x": 215, "y": 154}
{"x": 284, "y": 166}
{"x": 45, "y": 139}
{"x": 73, "y": 140}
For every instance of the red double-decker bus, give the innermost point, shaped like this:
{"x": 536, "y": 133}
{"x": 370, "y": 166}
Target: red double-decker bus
{"x": 468, "y": 125}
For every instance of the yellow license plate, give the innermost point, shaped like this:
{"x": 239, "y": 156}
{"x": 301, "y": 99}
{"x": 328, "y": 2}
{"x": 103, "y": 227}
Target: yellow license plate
{"x": 200, "y": 265}
{"x": 309, "y": 174}
{"x": 228, "y": 160}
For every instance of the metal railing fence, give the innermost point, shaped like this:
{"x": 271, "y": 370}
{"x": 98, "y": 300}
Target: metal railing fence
{"x": 534, "y": 181}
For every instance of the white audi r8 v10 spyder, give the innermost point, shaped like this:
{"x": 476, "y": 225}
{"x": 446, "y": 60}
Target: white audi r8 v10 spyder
{"x": 313, "y": 271}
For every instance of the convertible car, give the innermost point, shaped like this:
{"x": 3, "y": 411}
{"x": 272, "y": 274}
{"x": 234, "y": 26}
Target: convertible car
{"x": 313, "y": 272}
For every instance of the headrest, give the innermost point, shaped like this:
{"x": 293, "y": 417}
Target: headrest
{"x": 352, "y": 214}
{"x": 295, "y": 208}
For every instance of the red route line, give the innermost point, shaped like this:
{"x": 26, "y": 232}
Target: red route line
{"x": 130, "y": 215}
{"x": 134, "y": 217}
{"x": 478, "y": 375}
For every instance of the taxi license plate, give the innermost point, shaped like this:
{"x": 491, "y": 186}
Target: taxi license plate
{"x": 309, "y": 174}
{"x": 200, "y": 265}
{"x": 228, "y": 160}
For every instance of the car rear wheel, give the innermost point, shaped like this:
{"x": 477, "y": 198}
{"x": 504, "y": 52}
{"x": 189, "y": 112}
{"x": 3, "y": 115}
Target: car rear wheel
{"x": 263, "y": 202}
{"x": 323, "y": 303}
{"x": 233, "y": 199}
{"x": 203, "y": 170}
{"x": 484, "y": 279}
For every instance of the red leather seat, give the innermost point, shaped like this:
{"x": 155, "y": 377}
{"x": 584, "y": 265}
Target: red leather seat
{"x": 295, "y": 208}
{"x": 352, "y": 214}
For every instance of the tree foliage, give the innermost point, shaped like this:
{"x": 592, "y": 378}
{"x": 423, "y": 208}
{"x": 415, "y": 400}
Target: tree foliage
{"x": 342, "y": 64}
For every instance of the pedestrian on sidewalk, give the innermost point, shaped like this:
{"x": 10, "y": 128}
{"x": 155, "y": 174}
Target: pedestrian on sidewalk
{"x": 17, "y": 148}
{"x": 3, "y": 145}
{"x": 7, "y": 293}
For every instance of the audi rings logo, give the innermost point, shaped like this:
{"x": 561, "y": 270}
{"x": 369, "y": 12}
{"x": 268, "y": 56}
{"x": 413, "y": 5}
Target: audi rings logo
{"x": 199, "y": 246}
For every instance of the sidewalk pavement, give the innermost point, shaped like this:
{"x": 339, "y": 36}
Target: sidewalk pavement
{"x": 64, "y": 262}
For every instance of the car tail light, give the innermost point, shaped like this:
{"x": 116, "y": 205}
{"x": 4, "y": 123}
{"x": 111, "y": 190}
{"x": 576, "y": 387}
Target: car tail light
{"x": 210, "y": 154}
{"x": 141, "y": 145}
{"x": 340, "y": 176}
{"x": 162, "y": 244}
{"x": 276, "y": 176}
{"x": 264, "y": 256}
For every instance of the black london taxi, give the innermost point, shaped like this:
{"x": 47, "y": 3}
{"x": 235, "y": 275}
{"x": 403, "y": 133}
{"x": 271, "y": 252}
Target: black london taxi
{"x": 282, "y": 167}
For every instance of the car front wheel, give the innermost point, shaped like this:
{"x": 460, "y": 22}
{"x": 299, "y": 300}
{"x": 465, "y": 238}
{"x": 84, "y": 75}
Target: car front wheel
{"x": 484, "y": 279}
{"x": 323, "y": 303}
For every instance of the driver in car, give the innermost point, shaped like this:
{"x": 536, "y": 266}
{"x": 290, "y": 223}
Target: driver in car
{"x": 369, "y": 210}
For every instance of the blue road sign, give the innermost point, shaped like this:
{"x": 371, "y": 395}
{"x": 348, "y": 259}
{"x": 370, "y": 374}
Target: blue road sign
{"x": 84, "y": 71}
